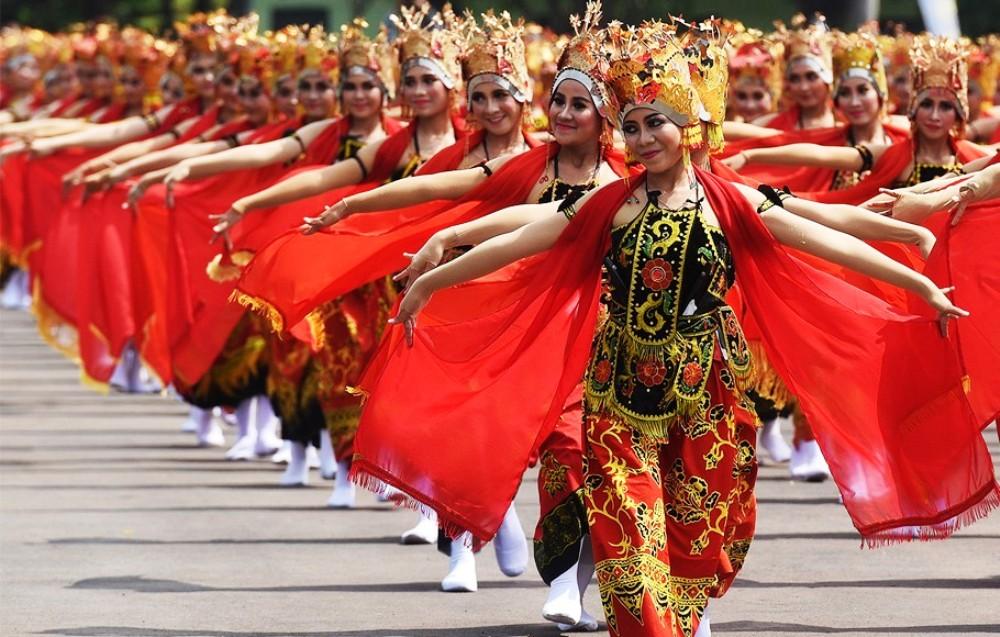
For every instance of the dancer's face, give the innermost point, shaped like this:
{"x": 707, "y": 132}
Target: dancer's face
{"x": 805, "y": 86}
{"x": 316, "y": 95}
{"x": 936, "y": 114}
{"x": 858, "y": 100}
{"x": 227, "y": 86}
{"x": 652, "y": 138}
{"x": 361, "y": 95}
{"x": 572, "y": 115}
{"x": 495, "y": 109}
{"x": 24, "y": 76}
{"x": 202, "y": 74}
{"x": 60, "y": 86}
{"x": 750, "y": 99}
{"x": 171, "y": 90}
{"x": 424, "y": 93}
{"x": 132, "y": 85}
{"x": 285, "y": 99}
{"x": 254, "y": 100}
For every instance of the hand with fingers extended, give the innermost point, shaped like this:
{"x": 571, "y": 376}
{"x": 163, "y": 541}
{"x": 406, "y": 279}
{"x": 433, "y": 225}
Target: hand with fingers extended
{"x": 179, "y": 172}
{"x": 136, "y": 192}
{"x": 330, "y": 215}
{"x": 428, "y": 257}
{"x": 960, "y": 201}
{"x": 937, "y": 298}
{"x": 414, "y": 300}
{"x": 911, "y": 206}
{"x": 225, "y": 223}
{"x": 925, "y": 240}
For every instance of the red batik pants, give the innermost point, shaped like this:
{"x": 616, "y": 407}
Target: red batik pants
{"x": 671, "y": 516}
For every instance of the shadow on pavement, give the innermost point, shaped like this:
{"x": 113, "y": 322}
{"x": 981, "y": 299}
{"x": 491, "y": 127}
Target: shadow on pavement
{"x": 138, "y": 584}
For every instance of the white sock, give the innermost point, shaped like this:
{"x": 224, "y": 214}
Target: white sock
{"x": 425, "y": 531}
{"x": 328, "y": 465}
{"x": 284, "y": 454}
{"x": 511, "y": 545}
{"x": 704, "y": 626}
{"x": 565, "y": 601}
{"x": 461, "y": 577}
{"x": 267, "y": 423}
{"x": 343, "y": 495}
{"x": 297, "y": 472}
{"x": 209, "y": 433}
{"x": 246, "y": 432}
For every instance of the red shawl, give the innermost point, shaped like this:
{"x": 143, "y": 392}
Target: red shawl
{"x": 205, "y": 318}
{"x": 150, "y": 242}
{"x": 295, "y": 274}
{"x": 800, "y": 178}
{"x": 496, "y": 358}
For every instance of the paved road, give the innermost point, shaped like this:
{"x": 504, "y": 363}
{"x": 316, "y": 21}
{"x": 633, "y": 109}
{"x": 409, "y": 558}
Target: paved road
{"x": 114, "y": 525}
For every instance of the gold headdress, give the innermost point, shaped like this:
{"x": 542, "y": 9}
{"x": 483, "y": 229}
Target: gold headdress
{"x": 430, "y": 43}
{"x": 984, "y": 66}
{"x": 939, "y": 62}
{"x": 704, "y": 45}
{"x": 858, "y": 55}
{"x": 372, "y": 56}
{"x": 494, "y": 52}
{"x": 648, "y": 69}
{"x": 756, "y": 57}
{"x": 319, "y": 53}
{"x": 583, "y": 59}
{"x": 809, "y": 43}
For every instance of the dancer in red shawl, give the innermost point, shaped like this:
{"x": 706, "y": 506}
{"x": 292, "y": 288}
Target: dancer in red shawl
{"x": 938, "y": 112}
{"x": 349, "y": 328}
{"x": 808, "y": 71}
{"x": 562, "y": 170}
{"x": 292, "y": 382}
{"x": 531, "y": 338}
{"x": 754, "y": 75}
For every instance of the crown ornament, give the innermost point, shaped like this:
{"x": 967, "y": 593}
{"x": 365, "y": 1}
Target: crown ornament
{"x": 495, "y": 52}
{"x": 430, "y": 42}
{"x": 858, "y": 54}
{"x": 372, "y": 56}
{"x": 705, "y": 48}
{"x": 809, "y": 43}
{"x": 984, "y": 65}
{"x": 939, "y": 62}
{"x": 584, "y": 59}
{"x": 756, "y": 58}
{"x": 648, "y": 68}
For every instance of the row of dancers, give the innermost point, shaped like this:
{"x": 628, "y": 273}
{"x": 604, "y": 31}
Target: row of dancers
{"x": 405, "y": 251}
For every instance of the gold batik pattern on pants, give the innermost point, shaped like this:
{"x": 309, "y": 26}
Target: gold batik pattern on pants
{"x": 347, "y": 331}
{"x": 671, "y": 518}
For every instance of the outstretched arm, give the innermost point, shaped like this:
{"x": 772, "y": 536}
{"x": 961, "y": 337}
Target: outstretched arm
{"x": 861, "y": 223}
{"x": 472, "y": 233}
{"x": 163, "y": 158}
{"x": 914, "y": 207}
{"x": 833, "y": 157}
{"x": 487, "y": 257}
{"x": 837, "y": 247}
{"x": 101, "y": 135}
{"x": 417, "y": 189}
{"x": 744, "y": 130}
{"x": 250, "y": 156}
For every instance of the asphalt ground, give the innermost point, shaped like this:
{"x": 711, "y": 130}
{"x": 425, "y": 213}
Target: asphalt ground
{"x": 113, "y": 524}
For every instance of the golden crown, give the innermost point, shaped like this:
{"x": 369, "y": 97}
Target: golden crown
{"x": 583, "y": 58}
{"x": 754, "y": 56}
{"x": 374, "y": 55}
{"x": 319, "y": 52}
{"x": 496, "y": 48}
{"x": 704, "y": 45}
{"x": 435, "y": 39}
{"x": 858, "y": 55}
{"x": 648, "y": 68}
{"x": 811, "y": 42}
{"x": 984, "y": 65}
{"x": 939, "y": 62}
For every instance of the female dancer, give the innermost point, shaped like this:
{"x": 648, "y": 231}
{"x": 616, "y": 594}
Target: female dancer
{"x": 567, "y": 167}
{"x": 428, "y": 57}
{"x": 657, "y": 373}
{"x": 367, "y": 66}
{"x": 808, "y": 68}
